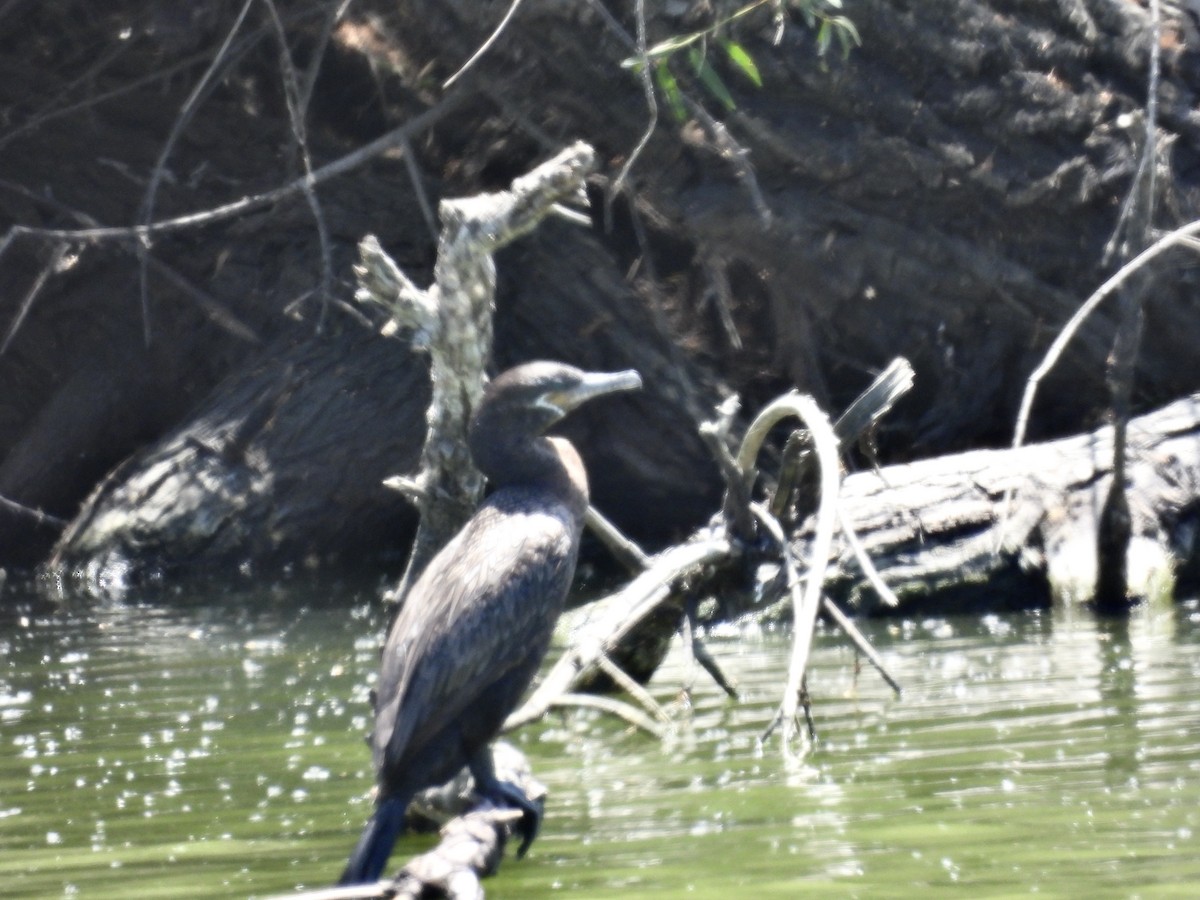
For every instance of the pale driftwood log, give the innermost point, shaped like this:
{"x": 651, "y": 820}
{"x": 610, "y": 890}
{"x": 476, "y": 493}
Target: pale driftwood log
{"x": 935, "y": 529}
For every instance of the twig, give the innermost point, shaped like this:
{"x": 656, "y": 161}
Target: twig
{"x": 1181, "y": 237}
{"x": 621, "y": 678}
{"x": 860, "y": 641}
{"x": 52, "y": 264}
{"x": 737, "y": 156}
{"x": 340, "y": 166}
{"x": 42, "y": 518}
{"x": 1114, "y": 526}
{"x": 50, "y": 115}
{"x": 181, "y": 122}
{"x": 630, "y": 714}
{"x": 163, "y": 74}
{"x": 687, "y": 635}
{"x": 722, "y": 298}
{"x": 140, "y": 234}
{"x": 886, "y": 594}
{"x": 216, "y": 311}
{"x": 710, "y": 666}
{"x": 187, "y": 111}
{"x": 735, "y": 507}
{"x": 337, "y": 9}
{"x": 485, "y": 46}
{"x": 418, "y": 183}
{"x": 629, "y": 554}
{"x": 293, "y": 100}
{"x": 1137, "y": 207}
{"x": 651, "y": 104}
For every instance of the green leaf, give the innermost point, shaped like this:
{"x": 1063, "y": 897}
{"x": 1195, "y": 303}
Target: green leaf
{"x": 847, "y": 34}
{"x": 710, "y": 79}
{"x": 824, "y": 34}
{"x": 743, "y": 62}
{"x": 670, "y": 90}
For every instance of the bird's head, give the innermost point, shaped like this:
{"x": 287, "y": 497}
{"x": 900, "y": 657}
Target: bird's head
{"x": 538, "y": 394}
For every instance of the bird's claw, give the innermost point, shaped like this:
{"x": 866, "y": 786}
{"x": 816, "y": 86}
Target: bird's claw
{"x": 507, "y": 794}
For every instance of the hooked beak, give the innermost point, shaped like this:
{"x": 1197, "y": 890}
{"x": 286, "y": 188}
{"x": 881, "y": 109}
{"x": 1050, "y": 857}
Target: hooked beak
{"x": 594, "y": 384}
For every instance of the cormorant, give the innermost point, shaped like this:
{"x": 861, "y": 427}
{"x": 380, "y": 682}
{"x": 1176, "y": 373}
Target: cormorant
{"x": 475, "y": 626}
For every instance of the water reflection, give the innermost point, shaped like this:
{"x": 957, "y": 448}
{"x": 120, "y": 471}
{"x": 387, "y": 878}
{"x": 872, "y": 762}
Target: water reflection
{"x": 213, "y": 747}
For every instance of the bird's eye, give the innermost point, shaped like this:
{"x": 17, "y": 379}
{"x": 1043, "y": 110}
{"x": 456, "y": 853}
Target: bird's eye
{"x": 553, "y": 400}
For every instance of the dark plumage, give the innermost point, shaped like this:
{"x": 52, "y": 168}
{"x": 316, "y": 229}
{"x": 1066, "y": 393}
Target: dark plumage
{"x": 478, "y": 622}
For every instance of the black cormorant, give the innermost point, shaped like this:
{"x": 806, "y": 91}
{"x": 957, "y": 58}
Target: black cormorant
{"x": 477, "y": 623}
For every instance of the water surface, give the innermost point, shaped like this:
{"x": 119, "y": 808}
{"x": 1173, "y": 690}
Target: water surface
{"x": 212, "y": 747}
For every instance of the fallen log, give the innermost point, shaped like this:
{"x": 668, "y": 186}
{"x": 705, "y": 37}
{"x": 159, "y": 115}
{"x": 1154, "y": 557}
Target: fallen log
{"x": 940, "y": 534}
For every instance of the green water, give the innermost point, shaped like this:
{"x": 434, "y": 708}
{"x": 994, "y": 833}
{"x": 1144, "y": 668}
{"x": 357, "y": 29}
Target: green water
{"x": 202, "y": 748}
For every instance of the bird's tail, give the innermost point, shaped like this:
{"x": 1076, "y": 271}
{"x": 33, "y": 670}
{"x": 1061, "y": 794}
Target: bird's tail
{"x": 371, "y": 853}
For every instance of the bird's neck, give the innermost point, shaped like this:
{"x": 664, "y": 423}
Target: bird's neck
{"x": 548, "y": 463}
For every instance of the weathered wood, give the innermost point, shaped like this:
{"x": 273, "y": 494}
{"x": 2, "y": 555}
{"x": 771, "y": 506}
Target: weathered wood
{"x": 938, "y": 533}
{"x": 451, "y": 320}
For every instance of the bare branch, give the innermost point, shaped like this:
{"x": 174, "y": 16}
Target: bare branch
{"x": 337, "y": 9}
{"x": 886, "y": 594}
{"x": 190, "y": 105}
{"x": 42, "y": 518}
{"x": 217, "y": 312}
{"x": 629, "y": 554}
{"x": 651, "y": 104}
{"x": 1184, "y": 236}
{"x": 807, "y": 602}
{"x": 863, "y": 645}
{"x": 486, "y": 45}
{"x": 418, "y": 183}
{"x": 612, "y": 706}
{"x": 51, "y": 266}
{"x": 621, "y": 678}
{"x": 387, "y": 142}
{"x": 295, "y": 107}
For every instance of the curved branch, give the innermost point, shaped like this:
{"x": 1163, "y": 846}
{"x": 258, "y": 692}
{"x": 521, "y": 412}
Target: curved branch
{"x": 806, "y": 602}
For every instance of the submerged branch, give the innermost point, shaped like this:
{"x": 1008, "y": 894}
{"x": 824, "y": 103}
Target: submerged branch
{"x": 806, "y": 606}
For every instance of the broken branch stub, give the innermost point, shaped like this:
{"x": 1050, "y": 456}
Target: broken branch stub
{"x": 452, "y": 321}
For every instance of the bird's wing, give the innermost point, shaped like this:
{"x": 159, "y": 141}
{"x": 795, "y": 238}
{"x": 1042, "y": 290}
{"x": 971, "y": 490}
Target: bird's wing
{"x": 484, "y": 604}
